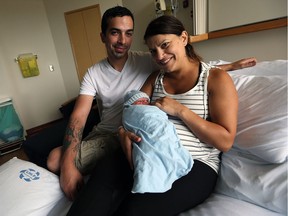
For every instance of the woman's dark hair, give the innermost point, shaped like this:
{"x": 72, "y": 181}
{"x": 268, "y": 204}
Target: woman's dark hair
{"x": 117, "y": 11}
{"x": 169, "y": 25}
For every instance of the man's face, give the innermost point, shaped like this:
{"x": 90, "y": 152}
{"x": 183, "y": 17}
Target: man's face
{"x": 118, "y": 38}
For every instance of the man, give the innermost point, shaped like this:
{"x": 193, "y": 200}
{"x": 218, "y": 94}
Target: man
{"x": 108, "y": 81}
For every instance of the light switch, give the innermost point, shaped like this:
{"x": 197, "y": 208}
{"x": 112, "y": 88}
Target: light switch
{"x": 51, "y": 68}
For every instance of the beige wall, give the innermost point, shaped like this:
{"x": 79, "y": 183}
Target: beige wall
{"x": 38, "y": 26}
{"x": 61, "y": 39}
{"x": 264, "y": 45}
{"x": 144, "y": 12}
{"x": 243, "y": 12}
{"x": 24, "y": 29}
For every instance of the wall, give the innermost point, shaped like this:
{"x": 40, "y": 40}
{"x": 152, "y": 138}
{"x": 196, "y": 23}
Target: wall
{"x": 38, "y": 26}
{"x": 264, "y": 45}
{"x": 243, "y": 12}
{"x": 144, "y": 12}
{"x": 61, "y": 38}
{"x": 24, "y": 29}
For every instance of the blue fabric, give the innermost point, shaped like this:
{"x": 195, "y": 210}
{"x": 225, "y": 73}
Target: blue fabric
{"x": 159, "y": 159}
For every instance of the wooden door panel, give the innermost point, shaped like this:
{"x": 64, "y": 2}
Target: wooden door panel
{"x": 84, "y": 27}
{"x": 92, "y": 19}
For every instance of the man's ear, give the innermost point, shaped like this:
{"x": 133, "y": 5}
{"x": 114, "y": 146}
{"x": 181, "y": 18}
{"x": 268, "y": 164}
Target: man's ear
{"x": 102, "y": 37}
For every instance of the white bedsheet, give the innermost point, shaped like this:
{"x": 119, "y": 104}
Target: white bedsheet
{"x": 221, "y": 205}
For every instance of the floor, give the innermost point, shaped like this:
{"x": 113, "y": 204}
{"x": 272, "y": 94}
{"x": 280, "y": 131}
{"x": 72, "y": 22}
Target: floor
{"x": 18, "y": 153}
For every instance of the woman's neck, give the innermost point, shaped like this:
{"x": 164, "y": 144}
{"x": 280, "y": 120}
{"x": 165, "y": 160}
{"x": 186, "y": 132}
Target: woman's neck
{"x": 181, "y": 81}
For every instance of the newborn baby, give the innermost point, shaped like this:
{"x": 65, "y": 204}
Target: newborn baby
{"x": 159, "y": 158}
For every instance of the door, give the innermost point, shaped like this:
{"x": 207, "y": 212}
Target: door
{"x": 84, "y": 27}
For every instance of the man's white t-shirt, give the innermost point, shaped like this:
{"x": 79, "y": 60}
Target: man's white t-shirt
{"x": 109, "y": 86}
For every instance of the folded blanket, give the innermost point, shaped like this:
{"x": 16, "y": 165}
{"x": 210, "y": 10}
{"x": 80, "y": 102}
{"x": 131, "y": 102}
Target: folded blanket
{"x": 159, "y": 159}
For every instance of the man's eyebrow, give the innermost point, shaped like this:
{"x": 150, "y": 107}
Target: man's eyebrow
{"x": 116, "y": 29}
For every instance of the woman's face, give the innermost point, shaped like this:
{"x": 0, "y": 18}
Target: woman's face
{"x": 168, "y": 50}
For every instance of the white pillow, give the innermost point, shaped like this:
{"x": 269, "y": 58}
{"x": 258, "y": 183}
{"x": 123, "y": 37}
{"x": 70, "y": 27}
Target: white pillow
{"x": 262, "y": 116}
{"x": 255, "y": 169}
{"x": 27, "y": 189}
{"x": 243, "y": 177}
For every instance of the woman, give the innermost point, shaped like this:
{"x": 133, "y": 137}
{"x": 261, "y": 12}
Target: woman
{"x": 202, "y": 102}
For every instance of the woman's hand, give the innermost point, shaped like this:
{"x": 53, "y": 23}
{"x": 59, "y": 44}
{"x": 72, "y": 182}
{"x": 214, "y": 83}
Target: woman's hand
{"x": 126, "y": 139}
{"x": 169, "y": 105}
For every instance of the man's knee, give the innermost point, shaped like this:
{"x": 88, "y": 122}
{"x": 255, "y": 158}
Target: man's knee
{"x": 53, "y": 160}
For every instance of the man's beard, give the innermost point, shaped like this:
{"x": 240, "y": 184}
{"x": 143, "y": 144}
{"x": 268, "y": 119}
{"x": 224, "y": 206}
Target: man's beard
{"x": 119, "y": 55}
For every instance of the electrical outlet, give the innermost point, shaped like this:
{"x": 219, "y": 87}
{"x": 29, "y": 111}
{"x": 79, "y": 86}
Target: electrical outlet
{"x": 51, "y": 68}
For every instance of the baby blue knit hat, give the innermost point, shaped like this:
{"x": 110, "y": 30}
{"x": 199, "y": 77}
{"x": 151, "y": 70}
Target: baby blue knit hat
{"x": 133, "y": 95}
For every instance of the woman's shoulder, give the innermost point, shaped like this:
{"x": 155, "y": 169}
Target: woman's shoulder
{"x": 208, "y": 66}
{"x": 212, "y": 69}
{"x": 217, "y": 72}
{"x": 217, "y": 77}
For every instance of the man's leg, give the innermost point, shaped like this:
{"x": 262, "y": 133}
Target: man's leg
{"x": 92, "y": 150}
{"x": 54, "y": 158}
{"x": 109, "y": 183}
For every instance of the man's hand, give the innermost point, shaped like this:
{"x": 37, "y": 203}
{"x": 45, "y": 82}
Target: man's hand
{"x": 126, "y": 139}
{"x": 244, "y": 63}
{"x": 71, "y": 180}
{"x": 240, "y": 64}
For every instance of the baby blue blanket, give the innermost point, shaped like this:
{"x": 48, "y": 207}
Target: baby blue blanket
{"x": 159, "y": 159}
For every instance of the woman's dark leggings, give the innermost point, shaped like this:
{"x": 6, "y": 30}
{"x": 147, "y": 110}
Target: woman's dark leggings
{"x": 108, "y": 191}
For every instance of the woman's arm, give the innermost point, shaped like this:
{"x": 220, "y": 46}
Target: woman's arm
{"x": 223, "y": 106}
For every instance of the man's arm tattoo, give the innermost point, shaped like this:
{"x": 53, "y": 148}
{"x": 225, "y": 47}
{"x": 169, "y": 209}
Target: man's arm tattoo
{"x": 73, "y": 134}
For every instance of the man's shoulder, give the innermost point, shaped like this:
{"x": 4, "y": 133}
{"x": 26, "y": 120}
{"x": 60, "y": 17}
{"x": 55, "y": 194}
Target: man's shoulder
{"x": 97, "y": 66}
{"x": 140, "y": 54}
{"x": 141, "y": 59}
{"x": 144, "y": 60}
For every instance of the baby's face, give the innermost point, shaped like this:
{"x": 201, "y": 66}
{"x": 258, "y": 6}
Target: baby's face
{"x": 143, "y": 101}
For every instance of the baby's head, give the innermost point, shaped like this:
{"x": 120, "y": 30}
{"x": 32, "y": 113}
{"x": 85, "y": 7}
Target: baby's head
{"x": 135, "y": 97}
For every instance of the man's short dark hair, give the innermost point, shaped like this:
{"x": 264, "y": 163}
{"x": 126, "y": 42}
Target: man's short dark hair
{"x": 110, "y": 13}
